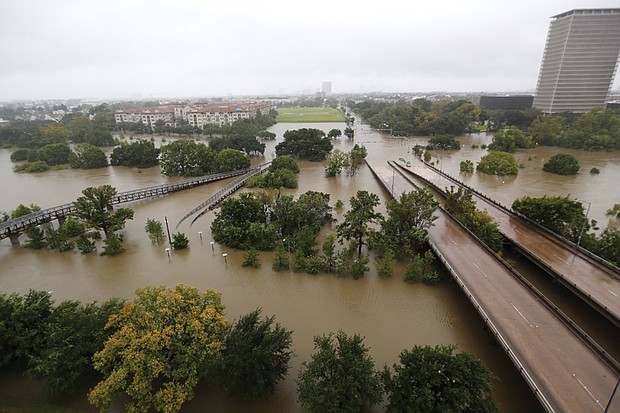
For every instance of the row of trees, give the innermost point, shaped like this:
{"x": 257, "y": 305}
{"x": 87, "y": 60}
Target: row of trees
{"x": 567, "y": 218}
{"x": 152, "y": 352}
{"x": 421, "y": 117}
{"x": 596, "y": 130}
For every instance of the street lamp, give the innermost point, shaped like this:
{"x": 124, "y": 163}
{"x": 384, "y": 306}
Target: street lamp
{"x": 212, "y": 247}
{"x": 225, "y": 255}
{"x": 200, "y": 235}
{"x": 168, "y": 252}
{"x": 584, "y": 222}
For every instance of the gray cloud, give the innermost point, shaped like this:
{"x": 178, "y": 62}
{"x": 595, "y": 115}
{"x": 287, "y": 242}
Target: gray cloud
{"x": 117, "y": 48}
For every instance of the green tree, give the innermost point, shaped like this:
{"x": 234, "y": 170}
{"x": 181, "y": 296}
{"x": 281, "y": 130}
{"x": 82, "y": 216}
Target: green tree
{"x": 76, "y": 333}
{"x": 443, "y": 142}
{"x": 231, "y": 160}
{"x": 53, "y": 154}
{"x": 546, "y": 130}
{"x": 419, "y": 266}
{"x": 359, "y": 267}
{"x": 22, "y": 210}
{"x": 564, "y": 216}
{"x": 284, "y": 162}
{"x": 23, "y": 326}
{"x": 305, "y": 143}
{"x": 508, "y": 139}
{"x": 467, "y": 166}
{"x": 562, "y": 164}
{"x": 385, "y": 265}
{"x": 155, "y": 231}
{"x": 356, "y": 158}
{"x": 94, "y": 208}
{"x": 161, "y": 345}
{"x": 242, "y": 222}
{"x": 280, "y": 259}
{"x": 186, "y": 158}
{"x": 608, "y": 245}
{"x": 349, "y": 133}
{"x": 334, "y": 133}
{"x": 112, "y": 245}
{"x": 255, "y": 356}
{"x": 329, "y": 252}
{"x": 434, "y": 379}
{"x": 358, "y": 218}
{"x": 85, "y": 244}
{"x": 36, "y": 238}
{"x": 498, "y": 163}
{"x": 336, "y": 160}
{"x": 340, "y": 376}
{"x": 141, "y": 154}
{"x": 180, "y": 241}
{"x": 250, "y": 259}
{"x": 408, "y": 221}
{"x": 87, "y": 156}
{"x": 32, "y": 167}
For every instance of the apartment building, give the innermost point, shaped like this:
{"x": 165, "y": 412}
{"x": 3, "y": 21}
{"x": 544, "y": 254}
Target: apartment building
{"x": 197, "y": 114}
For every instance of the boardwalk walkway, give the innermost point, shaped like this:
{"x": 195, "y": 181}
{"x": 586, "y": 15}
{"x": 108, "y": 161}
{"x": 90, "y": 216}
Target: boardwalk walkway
{"x": 14, "y": 227}
{"x": 595, "y": 281}
{"x": 566, "y": 370}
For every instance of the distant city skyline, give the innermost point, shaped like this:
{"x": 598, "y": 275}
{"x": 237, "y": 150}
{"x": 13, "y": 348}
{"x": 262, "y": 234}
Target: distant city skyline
{"x": 123, "y": 50}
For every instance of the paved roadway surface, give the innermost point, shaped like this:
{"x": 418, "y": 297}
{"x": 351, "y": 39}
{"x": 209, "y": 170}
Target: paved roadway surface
{"x": 569, "y": 375}
{"x": 598, "y": 285}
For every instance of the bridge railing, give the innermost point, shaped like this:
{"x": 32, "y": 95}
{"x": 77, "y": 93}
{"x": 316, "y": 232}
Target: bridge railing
{"x": 557, "y": 238}
{"x": 23, "y": 222}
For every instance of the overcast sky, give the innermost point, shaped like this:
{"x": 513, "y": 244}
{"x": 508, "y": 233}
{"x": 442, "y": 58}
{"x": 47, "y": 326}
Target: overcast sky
{"x": 188, "y": 48}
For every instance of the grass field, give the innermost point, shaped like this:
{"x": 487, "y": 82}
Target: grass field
{"x": 286, "y": 115}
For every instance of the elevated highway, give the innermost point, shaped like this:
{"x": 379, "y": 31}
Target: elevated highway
{"x": 566, "y": 370}
{"x": 588, "y": 276}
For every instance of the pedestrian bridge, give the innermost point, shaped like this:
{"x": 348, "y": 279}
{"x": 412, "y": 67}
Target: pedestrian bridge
{"x": 564, "y": 367}
{"x": 15, "y": 227}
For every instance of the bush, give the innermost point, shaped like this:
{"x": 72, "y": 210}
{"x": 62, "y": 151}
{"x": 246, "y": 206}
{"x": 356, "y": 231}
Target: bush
{"x": 250, "y": 259}
{"x": 467, "y": 166}
{"x": 179, "y": 241}
{"x": 562, "y": 164}
{"x": 33, "y": 167}
{"x": 432, "y": 278}
{"x": 595, "y": 171}
{"x": 498, "y": 163}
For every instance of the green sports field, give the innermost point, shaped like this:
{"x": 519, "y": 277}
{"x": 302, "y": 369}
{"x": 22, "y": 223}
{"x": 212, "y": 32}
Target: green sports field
{"x": 286, "y": 115}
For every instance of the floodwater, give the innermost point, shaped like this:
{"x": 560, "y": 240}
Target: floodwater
{"x": 390, "y": 314}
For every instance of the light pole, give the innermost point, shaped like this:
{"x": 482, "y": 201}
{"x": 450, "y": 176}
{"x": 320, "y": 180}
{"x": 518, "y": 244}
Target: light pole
{"x": 168, "y": 253}
{"x": 212, "y": 247}
{"x": 200, "y": 235}
{"x": 584, "y": 222}
{"x": 225, "y": 260}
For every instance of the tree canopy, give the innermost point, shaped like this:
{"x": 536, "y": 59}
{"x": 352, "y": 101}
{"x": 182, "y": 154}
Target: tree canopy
{"x": 94, "y": 208}
{"x": 434, "y": 379}
{"x": 356, "y": 220}
{"x": 562, "y": 164}
{"x": 141, "y": 154}
{"x": 340, "y": 376}
{"x": 498, "y": 163}
{"x": 509, "y": 139}
{"x": 305, "y": 143}
{"x": 255, "y": 356}
{"x": 162, "y": 344}
{"x": 87, "y": 156}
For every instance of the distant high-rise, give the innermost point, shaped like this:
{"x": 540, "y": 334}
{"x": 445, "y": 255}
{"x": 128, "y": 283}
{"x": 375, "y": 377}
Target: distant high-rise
{"x": 326, "y": 88}
{"x": 580, "y": 61}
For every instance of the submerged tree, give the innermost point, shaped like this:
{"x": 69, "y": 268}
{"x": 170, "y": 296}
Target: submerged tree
{"x": 340, "y": 377}
{"x": 162, "y": 344}
{"x": 358, "y": 218}
{"x": 255, "y": 357}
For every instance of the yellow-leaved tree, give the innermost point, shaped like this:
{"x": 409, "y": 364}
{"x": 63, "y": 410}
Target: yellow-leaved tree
{"x": 162, "y": 344}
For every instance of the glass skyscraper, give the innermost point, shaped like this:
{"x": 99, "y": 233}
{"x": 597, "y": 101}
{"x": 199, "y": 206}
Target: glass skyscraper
{"x": 580, "y": 61}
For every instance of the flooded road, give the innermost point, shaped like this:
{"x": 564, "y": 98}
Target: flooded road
{"x": 390, "y": 314}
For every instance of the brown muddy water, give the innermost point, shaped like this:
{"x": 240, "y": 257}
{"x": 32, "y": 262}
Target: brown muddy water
{"x": 390, "y": 314}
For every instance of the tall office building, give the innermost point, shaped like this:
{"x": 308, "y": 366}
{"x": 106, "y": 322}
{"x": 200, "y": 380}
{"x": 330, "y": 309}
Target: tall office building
{"x": 580, "y": 61}
{"x": 326, "y": 88}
